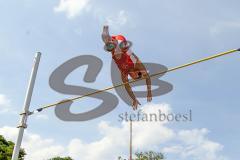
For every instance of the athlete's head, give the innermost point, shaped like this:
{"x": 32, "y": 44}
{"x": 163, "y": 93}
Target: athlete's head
{"x": 123, "y": 44}
{"x": 117, "y": 42}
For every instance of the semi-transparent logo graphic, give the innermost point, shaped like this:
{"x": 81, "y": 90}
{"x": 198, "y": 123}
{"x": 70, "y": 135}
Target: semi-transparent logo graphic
{"x": 109, "y": 100}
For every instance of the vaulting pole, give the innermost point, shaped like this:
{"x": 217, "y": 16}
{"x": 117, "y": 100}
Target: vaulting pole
{"x": 25, "y": 114}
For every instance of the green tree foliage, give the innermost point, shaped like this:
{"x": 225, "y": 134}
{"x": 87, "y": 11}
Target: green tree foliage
{"x": 60, "y": 158}
{"x": 6, "y": 149}
{"x": 151, "y": 155}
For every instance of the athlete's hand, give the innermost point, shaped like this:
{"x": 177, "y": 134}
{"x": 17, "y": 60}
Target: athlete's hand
{"x": 149, "y": 96}
{"x": 105, "y": 28}
{"x": 135, "y": 104}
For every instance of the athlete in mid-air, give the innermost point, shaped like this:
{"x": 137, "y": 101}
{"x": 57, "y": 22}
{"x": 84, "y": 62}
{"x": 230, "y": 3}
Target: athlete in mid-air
{"x": 127, "y": 62}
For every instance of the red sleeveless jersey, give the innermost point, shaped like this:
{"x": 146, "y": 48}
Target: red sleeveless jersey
{"x": 124, "y": 63}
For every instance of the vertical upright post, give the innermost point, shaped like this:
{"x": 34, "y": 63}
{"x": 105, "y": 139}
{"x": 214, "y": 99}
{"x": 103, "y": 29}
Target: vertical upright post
{"x": 25, "y": 114}
{"x": 130, "y": 146}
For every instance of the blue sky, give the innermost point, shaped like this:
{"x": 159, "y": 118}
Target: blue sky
{"x": 166, "y": 32}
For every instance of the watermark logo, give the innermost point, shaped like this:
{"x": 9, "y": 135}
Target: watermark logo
{"x": 159, "y": 116}
{"x": 109, "y": 100}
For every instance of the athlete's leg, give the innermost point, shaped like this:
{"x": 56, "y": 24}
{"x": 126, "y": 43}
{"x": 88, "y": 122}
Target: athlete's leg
{"x": 141, "y": 71}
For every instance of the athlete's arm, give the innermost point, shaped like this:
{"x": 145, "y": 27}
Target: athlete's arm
{"x": 105, "y": 34}
{"x": 145, "y": 75}
{"x": 149, "y": 85}
{"x": 129, "y": 90}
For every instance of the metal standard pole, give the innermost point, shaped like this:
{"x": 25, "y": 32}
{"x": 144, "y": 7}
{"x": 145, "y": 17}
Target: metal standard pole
{"x": 25, "y": 114}
{"x": 130, "y": 158}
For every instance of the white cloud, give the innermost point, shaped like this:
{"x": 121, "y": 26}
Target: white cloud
{"x": 73, "y": 8}
{"x": 196, "y": 145}
{"x": 184, "y": 144}
{"x": 37, "y": 148}
{"x": 118, "y": 20}
{"x": 4, "y": 104}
